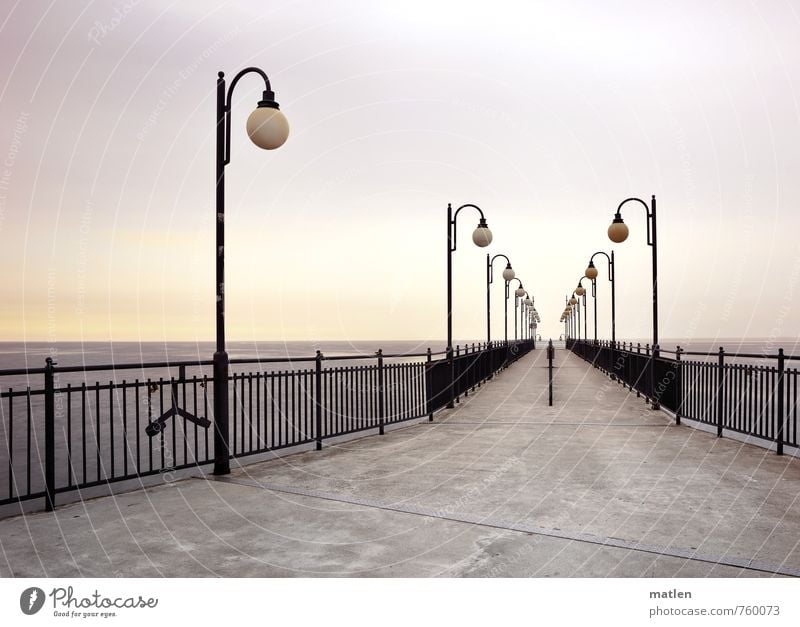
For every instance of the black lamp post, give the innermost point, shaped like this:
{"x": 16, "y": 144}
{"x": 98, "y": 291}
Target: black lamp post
{"x": 508, "y": 274}
{"x": 580, "y": 291}
{"x": 520, "y": 291}
{"x": 524, "y": 311}
{"x": 482, "y": 237}
{"x": 592, "y": 272}
{"x": 618, "y": 233}
{"x": 576, "y": 304}
{"x": 268, "y": 129}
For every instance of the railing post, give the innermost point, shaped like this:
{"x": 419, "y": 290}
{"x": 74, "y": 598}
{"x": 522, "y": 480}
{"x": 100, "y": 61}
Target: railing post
{"x": 49, "y": 435}
{"x": 427, "y": 381}
{"x": 551, "y": 351}
{"x": 456, "y": 376}
{"x": 381, "y": 408}
{"x": 318, "y": 398}
{"x": 678, "y": 385}
{"x": 467, "y": 375}
{"x": 476, "y": 371}
{"x": 781, "y": 417}
{"x": 720, "y": 383}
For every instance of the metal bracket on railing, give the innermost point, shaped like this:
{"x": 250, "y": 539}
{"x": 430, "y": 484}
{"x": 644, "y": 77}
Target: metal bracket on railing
{"x": 160, "y": 423}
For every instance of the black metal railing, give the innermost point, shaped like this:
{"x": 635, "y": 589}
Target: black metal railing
{"x": 754, "y": 394}
{"x": 63, "y": 433}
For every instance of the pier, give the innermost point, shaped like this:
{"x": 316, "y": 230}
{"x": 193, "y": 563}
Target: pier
{"x": 598, "y": 484}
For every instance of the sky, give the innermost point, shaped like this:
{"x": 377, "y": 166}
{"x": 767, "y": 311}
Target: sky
{"x": 546, "y": 115}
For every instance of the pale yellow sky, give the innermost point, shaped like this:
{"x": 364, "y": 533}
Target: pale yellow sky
{"x": 544, "y": 114}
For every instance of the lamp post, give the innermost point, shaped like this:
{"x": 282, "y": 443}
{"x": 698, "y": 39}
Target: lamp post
{"x": 568, "y": 311}
{"x": 592, "y": 272}
{"x": 519, "y": 292}
{"x": 618, "y": 233}
{"x": 577, "y": 308}
{"x": 482, "y": 237}
{"x": 268, "y": 129}
{"x": 526, "y": 304}
{"x": 581, "y": 292}
{"x": 508, "y": 274}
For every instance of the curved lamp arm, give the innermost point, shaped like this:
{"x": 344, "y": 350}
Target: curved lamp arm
{"x": 647, "y": 212}
{"x": 610, "y": 262}
{"x": 481, "y": 222}
{"x": 268, "y": 100}
{"x": 508, "y": 287}
{"x": 491, "y": 262}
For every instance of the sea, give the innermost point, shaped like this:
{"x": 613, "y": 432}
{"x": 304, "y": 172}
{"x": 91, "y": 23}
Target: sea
{"x": 32, "y": 355}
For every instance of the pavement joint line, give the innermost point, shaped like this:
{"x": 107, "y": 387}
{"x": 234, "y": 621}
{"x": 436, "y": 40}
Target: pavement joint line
{"x": 572, "y": 424}
{"x": 619, "y": 543}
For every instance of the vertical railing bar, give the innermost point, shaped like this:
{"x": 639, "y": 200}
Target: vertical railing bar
{"x": 381, "y": 406}
{"x": 174, "y": 401}
{"x": 185, "y": 423}
{"x": 194, "y": 411}
{"x": 161, "y": 413}
{"x": 780, "y": 408}
{"x": 259, "y": 442}
{"x": 764, "y": 383}
{"x": 272, "y": 410}
{"x": 293, "y": 414}
{"x": 242, "y": 413}
{"x": 352, "y": 423}
{"x": 281, "y": 417}
{"x": 112, "y": 444}
{"x": 125, "y": 448}
{"x": 83, "y": 427}
{"x": 342, "y": 423}
{"x": 205, "y": 413}
{"x": 70, "y": 469}
{"x": 329, "y": 408}
{"x": 318, "y": 399}
{"x": 337, "y": 401}
{"x": 10, "y": 442}
{"x": 97, "y": 427}
{"x": 250, "y": 411}
{"x": 235, "y": 412}
{"x": 30, "y": 429}
{"x": 49, "y": 437}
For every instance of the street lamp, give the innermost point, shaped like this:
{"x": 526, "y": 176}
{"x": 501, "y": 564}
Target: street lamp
{"x": 508, "y": 274}
{"x": 592, "y": 273}
{"x": 618, "y": 232}
{"x": 482, "y": 237}
{"x": 525, "y": 304}
{"x": 268, "y": 129}
{"x": 581, "y": 291}
{"x": 520, "y": 291}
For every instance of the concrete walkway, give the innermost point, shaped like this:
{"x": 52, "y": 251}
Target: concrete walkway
{"x": 503, "y": 485}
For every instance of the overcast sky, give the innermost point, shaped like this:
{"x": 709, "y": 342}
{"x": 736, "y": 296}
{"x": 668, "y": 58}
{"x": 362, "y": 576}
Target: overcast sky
{"x": 546, "y": 115}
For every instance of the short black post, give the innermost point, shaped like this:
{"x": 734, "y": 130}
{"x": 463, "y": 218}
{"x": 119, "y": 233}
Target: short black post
{"x": 49, "y": 435}
{"x": 381, "y": 408}
{"x": 428, "y": 380}
{"x": 551, "y": 353}
{"x": 678, "y": 385}
{"x": 781, "y": 417}
{"x": 318, "y": 398}
{"x": 720, "y": 383}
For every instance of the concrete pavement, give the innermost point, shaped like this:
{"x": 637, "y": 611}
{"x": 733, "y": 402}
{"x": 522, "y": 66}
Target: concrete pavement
{"x": 503, "y": 485}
